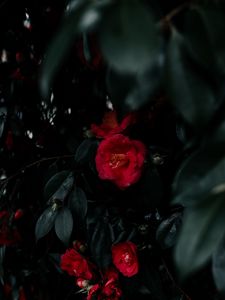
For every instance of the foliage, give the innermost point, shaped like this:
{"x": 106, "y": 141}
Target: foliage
{"x": 158, "y": 197}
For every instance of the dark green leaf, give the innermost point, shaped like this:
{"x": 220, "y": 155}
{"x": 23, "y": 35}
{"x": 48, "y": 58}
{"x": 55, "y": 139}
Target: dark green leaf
{"x": 201, "y": 174}
{"x": 129, "y": 36}
{"x": 204, "y": 31}
{"x": 218, "y": 267}
{"x": 64, "y": 225}
{"x": 78, "y": 203}
{"x": 83, "y": 150}
{"x": 167, "y": 232}
{"x": 202, "y": 231}
{"x": 81, "y": 18}
{"x": 55, "y": 182}
{"x": 190, "y": 93}
{"x": 3, "y": 113}
{"x": 64, "y": 188}
{"x": 99, "y": 237}
{"x": 45, "y": 222}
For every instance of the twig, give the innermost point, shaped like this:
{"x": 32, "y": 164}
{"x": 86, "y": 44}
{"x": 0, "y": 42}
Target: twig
{"x": 174, "y": 282}
{"x": 166, "y": 19}
{"x": 23, "y": 169}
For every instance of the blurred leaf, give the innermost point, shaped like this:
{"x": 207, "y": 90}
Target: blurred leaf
{"x": 119, "y": 86}
{"x": 82, "y": 17}
{"x": 200, "y": 175}
{"x": 167, "y": 232}
{"x": 190, "y": 93}
{"x": 45, "y": 222}
{"x": 204, "y": 32}
{"x": 218, "y": 267}
{"x": 64, "y": 225}
{"x": 78, "y": 203}
{"x": 128, "y": 36}
{"x": 147, "y": 84}
{"x": 56, "y": 182}
{"x": 202, "y": 231}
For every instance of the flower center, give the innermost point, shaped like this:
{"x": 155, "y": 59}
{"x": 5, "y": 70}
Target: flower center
{"x": 127, "y": 258}
{"x": 118, "y": 160}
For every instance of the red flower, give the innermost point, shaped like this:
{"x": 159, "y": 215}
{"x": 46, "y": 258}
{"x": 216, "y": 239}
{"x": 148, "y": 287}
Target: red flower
{"x": 110, "y": 289}
{"x": 120, "y": 160}
{"x": 93, "y": 290}
{"x": 75, "y": 264}
{"x": 124, "y": 257}
{"x": 8, "y": 234}
{"x": 110, "y": 125}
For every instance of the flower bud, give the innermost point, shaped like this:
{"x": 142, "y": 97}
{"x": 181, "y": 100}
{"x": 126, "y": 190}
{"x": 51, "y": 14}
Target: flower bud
{"x": 82, "y": 283}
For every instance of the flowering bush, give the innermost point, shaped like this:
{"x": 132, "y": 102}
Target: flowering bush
{"x": 112, "y": 150}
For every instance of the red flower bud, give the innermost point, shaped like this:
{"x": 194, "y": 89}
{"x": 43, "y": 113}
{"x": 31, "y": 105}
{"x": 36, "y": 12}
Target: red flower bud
{"x": 18, "y": 214}
{"x": 82, "y": 283}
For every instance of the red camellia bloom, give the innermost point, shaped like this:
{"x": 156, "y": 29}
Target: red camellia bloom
{"x": 75, "y": 264}
{"x": 120, "y": 160}
{"x": 124, "y": 257}
{"x": 110, "y": 125}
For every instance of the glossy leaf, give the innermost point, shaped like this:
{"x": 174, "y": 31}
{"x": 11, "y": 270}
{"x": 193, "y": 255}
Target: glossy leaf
{"x": 202, "y": 231}
{"x": 58, "y": 185}
{"x": 218, "y": 267}
{"x": 200, "y": 175}
{"x": 168, "y": 230}
{"x": 82, "y": 17}
{"x": 190, "y": 93}
{"x": 45, "y": 222}
{"x": 64, "y": 225}
{"x": 129, "y": 36}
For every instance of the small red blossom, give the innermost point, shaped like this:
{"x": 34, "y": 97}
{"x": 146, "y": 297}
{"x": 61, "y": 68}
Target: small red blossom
{"x": 82, "y": 283}
{"x": 8, "y": 233}
{"x": 125, "y": 258}
{"x": 93, "y": 290}
{"x": 18, "y": 214}
{"x": 110, "y": 125}
{"x": 76, "y": 265}
{"x": 120, "y": 160}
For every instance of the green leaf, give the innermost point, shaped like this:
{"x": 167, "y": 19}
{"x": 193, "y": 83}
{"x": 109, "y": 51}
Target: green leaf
{"x": 64, "y": 225}
{"x": 45, "y": 222}
{"x": 82, "y": 17}
{"x": 58, "y": 186}
{"x": 204, "y": 31}
{"x": 78, "y": 203}
{"x": 200, "y": 175}
{"x": 190, "y": 93}
{"x": 128, "y": 36}
{"x": 218, "y": 267}
{"x": 167, "y": 232}
{"x": 202, "y": 230}
{"x": 83, "y": 151}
